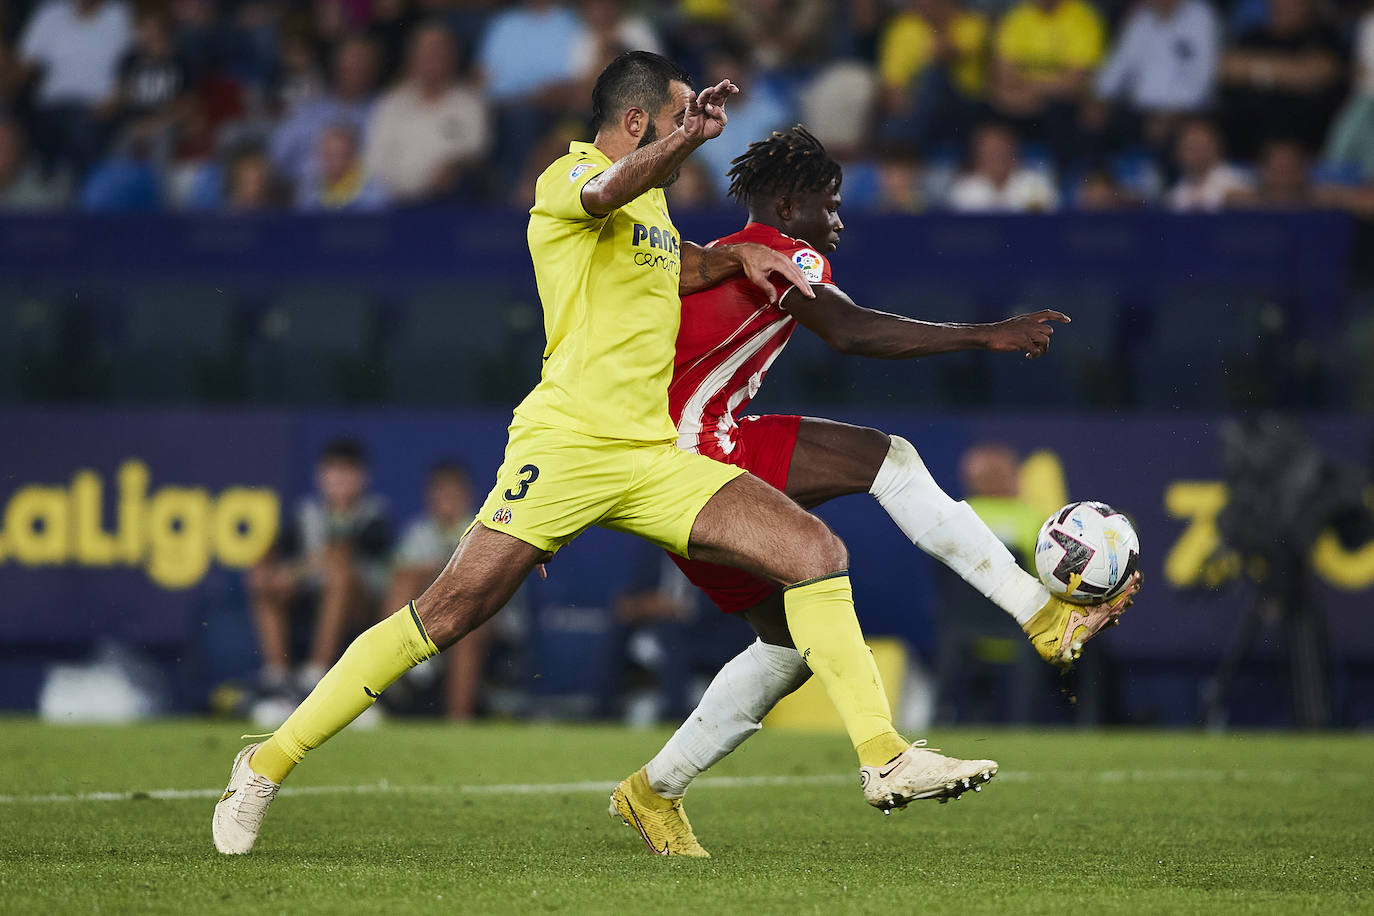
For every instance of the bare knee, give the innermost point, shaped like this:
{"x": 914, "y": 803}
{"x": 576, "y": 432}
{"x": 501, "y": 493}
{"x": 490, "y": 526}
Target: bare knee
{"x": 820, "y": 552}
{"x": 875, "y": 442}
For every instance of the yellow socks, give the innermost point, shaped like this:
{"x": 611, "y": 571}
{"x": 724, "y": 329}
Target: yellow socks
{"x": 370, "y": 665}
{"x": 877, "y": 751}
{"x": 820, "y": 616}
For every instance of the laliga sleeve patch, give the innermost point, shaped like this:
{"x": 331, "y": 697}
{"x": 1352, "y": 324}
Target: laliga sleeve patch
{"x": 812, "y": 267}
{"x": 581, "y": 168}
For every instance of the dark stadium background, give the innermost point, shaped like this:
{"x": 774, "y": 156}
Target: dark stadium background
{"x": 221, "y": 345}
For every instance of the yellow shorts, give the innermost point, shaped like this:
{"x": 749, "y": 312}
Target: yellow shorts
{"x": 554, "y": 484}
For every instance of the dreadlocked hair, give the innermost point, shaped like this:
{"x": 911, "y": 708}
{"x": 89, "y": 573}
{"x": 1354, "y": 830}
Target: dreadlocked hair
{"x": 787, "y": 162}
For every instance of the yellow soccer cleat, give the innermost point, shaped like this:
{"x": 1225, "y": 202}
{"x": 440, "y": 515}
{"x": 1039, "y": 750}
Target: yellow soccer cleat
{"x": 1059, "y": 629}
{"x": 661, "y": 822}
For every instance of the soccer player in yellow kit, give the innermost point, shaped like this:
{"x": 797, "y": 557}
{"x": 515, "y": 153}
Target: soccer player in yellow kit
{"x": 593, "y": 444}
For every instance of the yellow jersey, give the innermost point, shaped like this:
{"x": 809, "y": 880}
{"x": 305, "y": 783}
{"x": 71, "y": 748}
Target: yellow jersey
{"x": 908, "y": 47}
{"x": 609, "y": 287}
{"x": 1068, "y": 37}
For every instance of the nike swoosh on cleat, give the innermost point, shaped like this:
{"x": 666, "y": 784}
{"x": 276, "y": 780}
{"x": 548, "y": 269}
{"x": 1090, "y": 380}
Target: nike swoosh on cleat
{"x": 643, "y": 834}
{"x": 225, "y": 796}
{"x": 374, "y": 696}
{"x": 894, "y": 766}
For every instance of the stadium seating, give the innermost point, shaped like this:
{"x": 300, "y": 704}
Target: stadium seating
{"x": 31, "y": 330}
{"x": 468, "y": 344}
{"x": 316, "y": 343}
{"x": 1205, "y": 346}
{"x": 808, "y": 373}
{"x": 1083, "y": 369}
{"x": 950, "y": 379}
{"x": 177, "y": 344}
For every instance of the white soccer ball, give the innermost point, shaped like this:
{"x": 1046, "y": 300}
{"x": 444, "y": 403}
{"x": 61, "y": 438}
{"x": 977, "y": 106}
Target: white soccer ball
{"x": 1087, "y": 553}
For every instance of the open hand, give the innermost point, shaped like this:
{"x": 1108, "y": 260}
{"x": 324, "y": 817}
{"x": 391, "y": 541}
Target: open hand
{"x": 704, "y": 117}
{"x": 759, "y": 263}
{"x": 1030, "y": 333}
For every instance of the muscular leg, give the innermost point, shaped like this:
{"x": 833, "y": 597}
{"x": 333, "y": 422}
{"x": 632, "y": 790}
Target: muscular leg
{"x": 836, "y": 459}
{"x": 463, "y": 678}
{"x": 752, "y": 526}
{"x": 482, "y": 575}
{"x": 479, "y": 579}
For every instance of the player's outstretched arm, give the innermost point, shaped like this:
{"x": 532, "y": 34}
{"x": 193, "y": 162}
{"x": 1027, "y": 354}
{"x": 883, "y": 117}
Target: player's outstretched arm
{"x": 703, "y": 268}
{"x": 851, "y": 328}
{"x": 703, "y": 118}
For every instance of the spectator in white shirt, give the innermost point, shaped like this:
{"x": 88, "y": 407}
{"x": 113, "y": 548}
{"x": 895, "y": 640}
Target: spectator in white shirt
{"x": 1165, "y": 59}
{"x": 1163, "y": 65}
{"x": 427, "y": 131}
{"x": 1351, "y": 141}
{"x": 73, "y": 49}
{"x": 1206, "y": 180}
{"x": 995, "y": 182}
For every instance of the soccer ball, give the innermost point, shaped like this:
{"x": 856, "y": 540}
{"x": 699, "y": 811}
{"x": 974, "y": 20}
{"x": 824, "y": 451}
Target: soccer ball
{"x": 1087, "y": 553}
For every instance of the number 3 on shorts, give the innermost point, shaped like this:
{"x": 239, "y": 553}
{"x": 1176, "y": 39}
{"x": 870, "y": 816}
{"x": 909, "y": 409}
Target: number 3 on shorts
{"x": 528, "y": 475}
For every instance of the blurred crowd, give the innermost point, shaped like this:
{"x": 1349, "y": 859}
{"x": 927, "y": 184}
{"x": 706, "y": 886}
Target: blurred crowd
{"x": 976, "y": 105}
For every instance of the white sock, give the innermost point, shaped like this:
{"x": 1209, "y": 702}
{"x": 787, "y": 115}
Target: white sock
{"x": 730, "y": 710}
{"x": 952, "y": 533}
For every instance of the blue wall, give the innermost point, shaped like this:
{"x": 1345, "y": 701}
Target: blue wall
{"x": 438, "y": 306}
{"x": 1176, "y": 318}
{"x": 56, "y": 590}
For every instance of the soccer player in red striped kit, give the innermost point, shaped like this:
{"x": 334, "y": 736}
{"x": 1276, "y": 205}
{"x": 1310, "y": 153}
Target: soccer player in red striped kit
{"x": 729, "y": 337}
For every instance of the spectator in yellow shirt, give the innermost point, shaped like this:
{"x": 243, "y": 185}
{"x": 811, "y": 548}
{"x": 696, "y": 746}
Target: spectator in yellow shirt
{"x": 932, "y": 59}
{"x": 1044, "y": 54}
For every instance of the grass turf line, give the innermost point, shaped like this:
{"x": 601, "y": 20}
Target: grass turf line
{"x": 1159, "y": 822}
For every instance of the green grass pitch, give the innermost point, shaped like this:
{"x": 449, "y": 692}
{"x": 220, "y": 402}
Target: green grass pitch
{"x": 405, "y": 819}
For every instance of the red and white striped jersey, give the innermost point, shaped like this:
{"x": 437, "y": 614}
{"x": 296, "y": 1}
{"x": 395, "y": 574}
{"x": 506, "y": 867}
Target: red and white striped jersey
{"x": 728, "y": 339}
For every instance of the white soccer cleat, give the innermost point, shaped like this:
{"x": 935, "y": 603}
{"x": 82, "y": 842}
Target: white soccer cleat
{"x": 239, "y": 811}
{"x": 919, "y": 772}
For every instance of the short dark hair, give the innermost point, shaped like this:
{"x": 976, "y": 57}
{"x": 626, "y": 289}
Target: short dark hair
{"x": 635, "y": 79}
{"x": 786, "y": 162}
{"x": 344, "y": 450}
